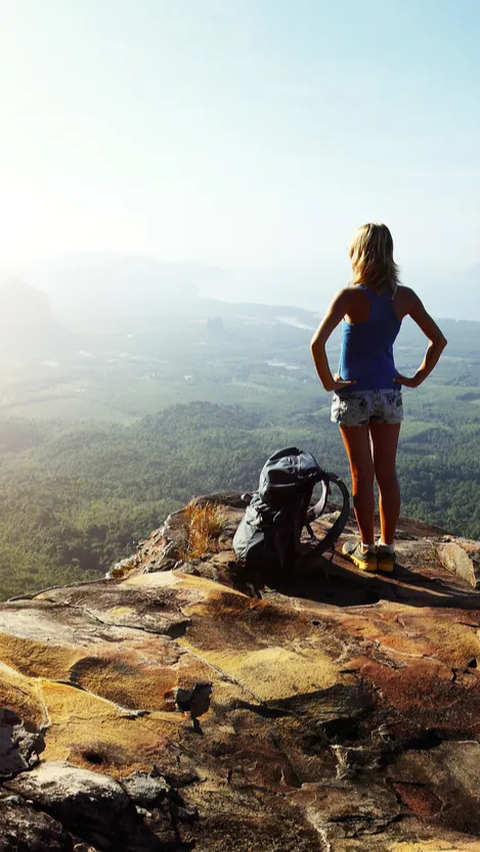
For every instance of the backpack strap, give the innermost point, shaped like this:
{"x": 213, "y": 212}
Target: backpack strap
{"x": 331, "y": 537}
{"x": 318, "y": 509}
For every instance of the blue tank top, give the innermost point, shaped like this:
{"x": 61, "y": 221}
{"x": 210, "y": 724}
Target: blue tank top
{"x": 367, "y": 347}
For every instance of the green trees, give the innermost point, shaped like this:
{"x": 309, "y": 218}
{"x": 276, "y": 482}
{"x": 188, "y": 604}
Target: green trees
{"x": 74, "y": 500}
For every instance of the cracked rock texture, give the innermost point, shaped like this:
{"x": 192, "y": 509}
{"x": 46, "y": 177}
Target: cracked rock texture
{"x": 196, "y": 707}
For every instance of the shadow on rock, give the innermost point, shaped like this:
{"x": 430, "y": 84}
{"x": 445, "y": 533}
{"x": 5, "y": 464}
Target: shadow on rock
{"x": 314, "y": 577}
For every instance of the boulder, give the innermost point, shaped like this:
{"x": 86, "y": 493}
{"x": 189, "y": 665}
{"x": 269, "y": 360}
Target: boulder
{"x": 88, "y": 804}
{"x": 24, "y": 829}
{"x": 19, "y": 748}
{"x": 146, "y": 788}
{"x": 462, "y": 557}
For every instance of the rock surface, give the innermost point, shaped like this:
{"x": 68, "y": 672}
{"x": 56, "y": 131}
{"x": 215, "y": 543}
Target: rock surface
{"x": 83, "y": 801}
{"x": 24, "y": 829}
{"x": 462, "y": 557}
{"x": 200, "y": 708}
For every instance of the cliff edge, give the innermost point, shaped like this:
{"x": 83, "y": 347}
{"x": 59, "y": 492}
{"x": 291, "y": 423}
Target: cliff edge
{"x": 184, "y": 705}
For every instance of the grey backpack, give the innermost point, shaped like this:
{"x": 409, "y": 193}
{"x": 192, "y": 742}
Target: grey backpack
{"x": 268, "y": 535}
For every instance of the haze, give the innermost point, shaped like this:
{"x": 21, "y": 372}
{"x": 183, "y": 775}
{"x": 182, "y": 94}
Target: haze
{"x": 250, "y": 136}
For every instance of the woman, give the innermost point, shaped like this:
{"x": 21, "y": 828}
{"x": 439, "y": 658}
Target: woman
{"x": 367, "y": 398}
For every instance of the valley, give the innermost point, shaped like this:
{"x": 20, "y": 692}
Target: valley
{"x": 102, "y": 433}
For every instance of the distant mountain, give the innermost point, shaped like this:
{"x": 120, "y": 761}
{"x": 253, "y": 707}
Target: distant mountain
{"x": 28, "y": 328}
{"x": 107, "y": 291}
{"x": 98, "y": 289}
{"x": 455, "y": 294}
{"x": 463, "y": 294}
{"x": 22, "y": 305}
{"x": 472, "y": 275}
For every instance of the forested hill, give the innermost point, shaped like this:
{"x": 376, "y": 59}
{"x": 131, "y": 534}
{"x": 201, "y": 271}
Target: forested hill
{"x": 74, "y": 500}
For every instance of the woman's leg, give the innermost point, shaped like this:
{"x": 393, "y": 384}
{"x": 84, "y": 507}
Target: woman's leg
{"x": 357, "y": 445}
{"x": 385, "y": 441}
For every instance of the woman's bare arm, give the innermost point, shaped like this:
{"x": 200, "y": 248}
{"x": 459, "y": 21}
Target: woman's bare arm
{"x": 335, "y": 313}
{"x": 436, "y": 341}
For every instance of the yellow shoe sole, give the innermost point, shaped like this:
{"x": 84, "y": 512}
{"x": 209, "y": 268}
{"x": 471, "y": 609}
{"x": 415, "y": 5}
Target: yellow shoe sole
{"x": 369, "y": 565}
{"x": 386, "y": 563}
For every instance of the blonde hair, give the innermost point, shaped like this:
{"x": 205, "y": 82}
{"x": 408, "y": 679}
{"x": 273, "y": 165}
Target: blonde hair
{"x": 371, "y": 254}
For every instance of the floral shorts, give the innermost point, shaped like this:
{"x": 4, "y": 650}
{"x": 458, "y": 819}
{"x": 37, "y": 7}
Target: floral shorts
{"x": 355, "y": 408}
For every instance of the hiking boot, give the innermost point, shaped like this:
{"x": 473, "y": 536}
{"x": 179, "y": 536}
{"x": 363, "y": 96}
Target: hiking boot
{"x": 366, "y": 560}
{"x": 385, "y": 559}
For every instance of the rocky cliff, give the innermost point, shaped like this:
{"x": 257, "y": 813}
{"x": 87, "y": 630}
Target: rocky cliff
{"x": 185, "y": 705}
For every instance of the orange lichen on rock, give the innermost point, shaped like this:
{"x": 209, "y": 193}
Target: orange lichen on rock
{"x": 38, "y": 659}
{"x": 22, "y": 695}
{"x": 94, "y": 733}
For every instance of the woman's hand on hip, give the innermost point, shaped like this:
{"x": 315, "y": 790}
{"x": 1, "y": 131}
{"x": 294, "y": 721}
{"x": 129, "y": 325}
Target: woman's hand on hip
{"x": 338, "y": 384}
{"x": 408, "y": 383}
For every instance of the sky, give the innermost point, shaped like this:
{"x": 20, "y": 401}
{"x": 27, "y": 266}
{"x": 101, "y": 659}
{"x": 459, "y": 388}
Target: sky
{"x": 250, "y": 134}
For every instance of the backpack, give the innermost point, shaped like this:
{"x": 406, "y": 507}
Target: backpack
{"x": 268, "y": 535}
